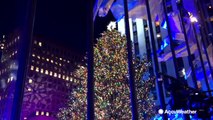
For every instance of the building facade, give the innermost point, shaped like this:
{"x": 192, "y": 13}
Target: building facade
{"x": 188, "y": 73}
{"x": 49, "y": 78}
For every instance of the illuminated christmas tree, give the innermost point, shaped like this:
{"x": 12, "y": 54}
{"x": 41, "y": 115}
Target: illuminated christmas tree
{"x": 112, "y": 93}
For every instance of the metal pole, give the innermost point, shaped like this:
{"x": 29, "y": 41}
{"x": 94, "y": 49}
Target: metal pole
{"x": 159, "y": 82}
{"x": 187, "y": 44}
{"x": 133, "y": 93}
{"x": 201, "y": 58}
{"x": 90, "y": 61}
{"x": 23, "y": 56}
{"x": 203, "y": 33}
{"x": 171, "y": 40}
{"x": 205, "y": 51}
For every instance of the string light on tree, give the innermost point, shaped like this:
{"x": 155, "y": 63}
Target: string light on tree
{"x": 111, "y": 83}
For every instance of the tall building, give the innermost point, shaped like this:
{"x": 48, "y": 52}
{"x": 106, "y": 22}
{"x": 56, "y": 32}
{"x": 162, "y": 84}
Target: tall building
{"x": 48, "y": 82}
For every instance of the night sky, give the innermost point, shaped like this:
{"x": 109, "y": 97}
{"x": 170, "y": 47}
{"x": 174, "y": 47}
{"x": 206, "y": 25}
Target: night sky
{"x": 62, "y": 22}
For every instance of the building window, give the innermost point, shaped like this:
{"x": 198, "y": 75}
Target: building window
{"x": 40, "y": 44}
{"x": 55, "y": 74}
{"x": 63, "y": 77}
{"x": 67, "y": 78}
{"x": 47, "y": 114}
{"x": 46, "y": 72}
{"x": 37, "y": 69}
{"x": 30, "y": 80}
{"x": 42, "y": 70}
{"x": 51, "y": 73}
{"x": 59, "y": 75}
{"x": 37, "y": 113}
{"x": 47, "y": 60}
{"x": 32, "y": 67}
{"x": 42, "y": 113}
{"x": 29, "y": 89}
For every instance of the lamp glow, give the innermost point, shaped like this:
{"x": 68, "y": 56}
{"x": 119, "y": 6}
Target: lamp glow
{"x": 193, "y": 19}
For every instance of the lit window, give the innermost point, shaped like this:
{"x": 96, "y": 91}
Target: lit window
{"x": 33, "y": 55}
{"x": 157, "y": 23}
{"x": 59, "y": 75}
{"x": 29, "y": 89}
{"x": 11, "y": 78}
{"x": 42, "y": 71}
{"x": 55, "y": 74}
{"x": 25, "y": 118}
{"x": 67, "y": 78}
{"x": 42, "y": 58}
{"x": 63, "y": 77}
{"x": 47, "y": 60}
{"x": 32, "y": 68}
{"x": 30, "y": 80}
{"x": 51, "y": 73}
{"x": 18, "y": 37}
{"x": 38, "y": 57}
{"x": 51, "y": 61}
{"x": 40, "y": 44}
{"x": 68, "y": 61}
{"x": 37, "y": 113}
{"x": 47, "y": 114}
{"x": 42, "y": 113}
{"x": 37, "y": 69}
{"x": 158, "y": 35}
{"x": 60, "y": 58}
{"x": 35, "y": 42}
{"x": 59, "y": 64}
{"x": 3, "y": 36}
{"x": 56, "y": 63}
{"x": 46, "y": 72}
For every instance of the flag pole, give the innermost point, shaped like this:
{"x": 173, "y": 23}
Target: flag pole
{"x": 23, "y": 57}
{"x": 133, "y": 94}
{"x": 90, "y": 60}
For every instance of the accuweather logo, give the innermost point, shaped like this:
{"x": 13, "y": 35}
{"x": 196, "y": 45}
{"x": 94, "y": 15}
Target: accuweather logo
{"x": 161, "y": 111}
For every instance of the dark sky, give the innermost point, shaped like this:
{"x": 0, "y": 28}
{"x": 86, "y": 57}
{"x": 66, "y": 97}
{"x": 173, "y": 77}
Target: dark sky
{"x": 60, "y": 21}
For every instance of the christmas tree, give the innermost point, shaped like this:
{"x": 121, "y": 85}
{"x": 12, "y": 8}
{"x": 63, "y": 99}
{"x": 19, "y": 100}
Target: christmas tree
{"x": 112, "y": 93}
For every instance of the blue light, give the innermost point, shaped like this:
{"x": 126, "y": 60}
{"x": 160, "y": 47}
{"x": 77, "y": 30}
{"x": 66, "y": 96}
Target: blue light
{"x": 164, "y": 24}
{"x": 164, "y": 44}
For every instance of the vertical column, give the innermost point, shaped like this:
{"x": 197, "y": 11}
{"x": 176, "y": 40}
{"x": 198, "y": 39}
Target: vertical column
{"x": 201, "y": 58}
{"x": 180, "y": 7}
{"x": 23, "y": 56}
{"x": 171, "y": 39}
{"x": 130, "y": 65}
{"x": 159, "y": 81}
{"x": 203, "y": 33}
{"x": 90, "y": 60}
